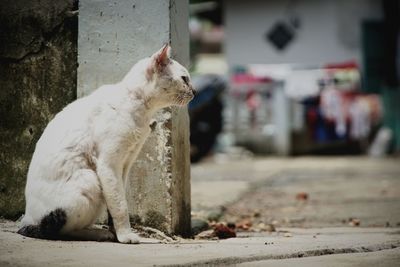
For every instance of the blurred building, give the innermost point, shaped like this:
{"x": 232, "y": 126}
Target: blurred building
{"x": 303, "y": 31}
{"x": 326, "y": 56}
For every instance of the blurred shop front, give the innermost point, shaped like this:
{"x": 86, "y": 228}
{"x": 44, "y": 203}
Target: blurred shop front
{"x": 288, "y": 109}
{"x": 306, "y": 77}
{"x": 296, "y": 77}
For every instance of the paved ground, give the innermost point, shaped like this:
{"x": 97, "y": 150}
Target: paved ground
{"x": 258, "y": 249}
{"x": 338, "y": 188}
{"x": 389, "y": 257}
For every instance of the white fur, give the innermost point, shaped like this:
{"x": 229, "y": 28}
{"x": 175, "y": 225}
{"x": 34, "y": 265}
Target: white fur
{"x": 82, "y": 160}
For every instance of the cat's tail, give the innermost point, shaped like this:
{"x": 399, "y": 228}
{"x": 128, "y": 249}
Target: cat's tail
{"x": 48, "y": 228}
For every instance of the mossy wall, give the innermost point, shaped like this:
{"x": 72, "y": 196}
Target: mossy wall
{"x": 38, "y": 62}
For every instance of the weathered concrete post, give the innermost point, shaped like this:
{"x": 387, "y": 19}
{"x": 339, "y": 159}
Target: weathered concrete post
{"x": 38, "y": 50}
{"x": 112, "y": 37}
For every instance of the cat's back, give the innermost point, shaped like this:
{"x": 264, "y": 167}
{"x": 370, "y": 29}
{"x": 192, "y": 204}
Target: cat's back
{"x": 69, "y": 135}
{"x": 71, "y": 120}
{"x": 71, "y": 127}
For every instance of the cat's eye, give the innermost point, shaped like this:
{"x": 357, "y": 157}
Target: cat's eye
{"x": 185, "y": 79}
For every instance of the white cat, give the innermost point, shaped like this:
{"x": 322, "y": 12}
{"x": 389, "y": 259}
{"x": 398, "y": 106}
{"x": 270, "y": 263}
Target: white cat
{"x": 82, "y": 160}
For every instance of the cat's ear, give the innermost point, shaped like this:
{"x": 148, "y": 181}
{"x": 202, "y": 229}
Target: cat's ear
{"x": 159, "y": 60}
{"x": 162, "y": 56}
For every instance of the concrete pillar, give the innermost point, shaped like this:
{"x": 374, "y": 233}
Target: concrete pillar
{"x": 113, "y": 35}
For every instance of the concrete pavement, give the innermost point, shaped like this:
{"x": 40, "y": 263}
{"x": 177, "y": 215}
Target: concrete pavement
{"x": 16, "y": 250}
{"x": 337, "y": 187}
{"x": 383, "y": 258}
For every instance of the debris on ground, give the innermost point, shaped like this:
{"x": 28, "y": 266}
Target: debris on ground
{"x": 244, "y": 224}
{"x": 255, "y": 224}
{"x": 302, "y": 196}
{"x": 262, "y": 227}
{"x": 208, "y": 234}
{"x": 229, "y": 226}
{"x": 287, "y": 234}
{"x": 148, "y": 232}
{"x": 219, "y": 231}
{"x": 354, "y": 222}
{"x": 222, "y": 231}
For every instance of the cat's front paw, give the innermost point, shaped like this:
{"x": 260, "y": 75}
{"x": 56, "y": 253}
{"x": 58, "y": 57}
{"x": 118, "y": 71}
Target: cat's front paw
{"x": 129, "y": 238}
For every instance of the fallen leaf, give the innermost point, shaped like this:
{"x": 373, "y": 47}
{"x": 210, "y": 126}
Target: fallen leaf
{"x": 223, "y": 232}
{"x": 302, "y": 196}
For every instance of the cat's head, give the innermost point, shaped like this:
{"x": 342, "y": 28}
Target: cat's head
{"x": 172, "y": 81}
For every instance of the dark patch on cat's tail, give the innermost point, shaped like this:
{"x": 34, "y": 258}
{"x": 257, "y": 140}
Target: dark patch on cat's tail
{"x": 48, "y": 228}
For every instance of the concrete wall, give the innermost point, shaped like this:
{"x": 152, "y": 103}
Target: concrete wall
{"x": 112, "y": 37}
{"x": 330, "y": 31}
{"x": 38, "y": 49}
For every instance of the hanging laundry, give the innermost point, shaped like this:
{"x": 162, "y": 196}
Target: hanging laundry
{"x": 333, "y": 107}
{"x": 365, "y": 111}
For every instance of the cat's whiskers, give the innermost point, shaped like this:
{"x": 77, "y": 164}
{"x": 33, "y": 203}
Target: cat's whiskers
{"x": 178, "y": 99}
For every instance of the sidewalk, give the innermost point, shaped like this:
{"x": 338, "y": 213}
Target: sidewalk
{"x": 338, "y": 188}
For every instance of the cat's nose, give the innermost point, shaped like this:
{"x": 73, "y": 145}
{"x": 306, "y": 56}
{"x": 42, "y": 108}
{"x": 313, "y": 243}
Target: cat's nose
{"x": 193, "y": 91}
